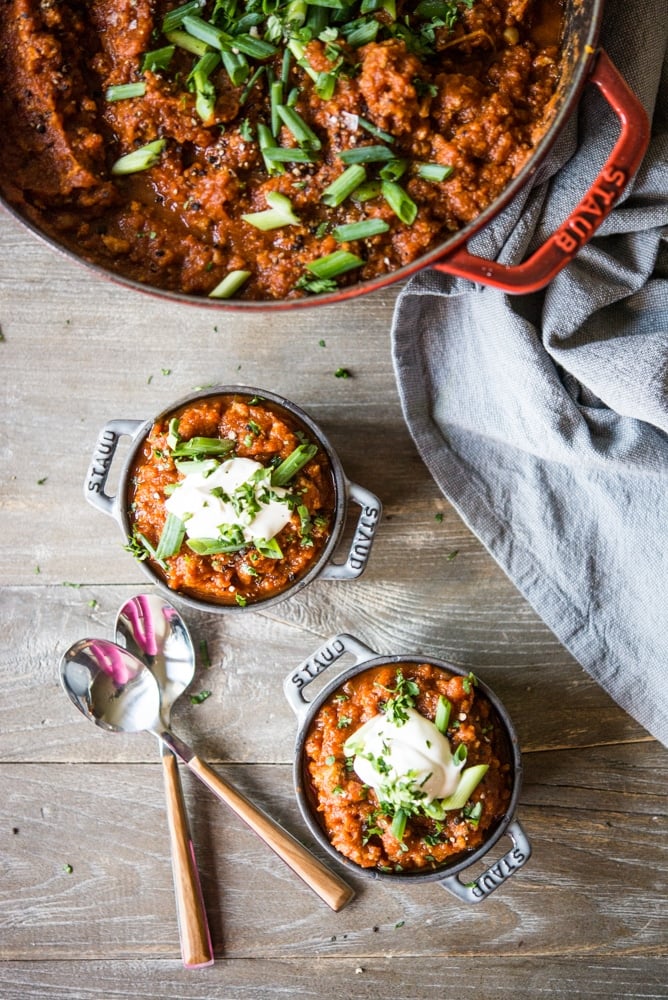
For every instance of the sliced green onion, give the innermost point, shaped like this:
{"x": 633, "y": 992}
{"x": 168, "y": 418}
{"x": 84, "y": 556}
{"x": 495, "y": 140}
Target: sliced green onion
{"x": 393, "y": 170}
{"x": 230, "y": 284}
{"x": 295, "y": 124}
{"x": 213, "y": 546}
{"x": 256, "y": 48}
{"x": 146, "y": 545}
{"x": 360, "y": 230}
{"x": 288, "y": 154}
{"x": 298, "y": 50}
{"x": 374, "y": 130}
{"x": 205, "y": 101}
{"x": 340, "y": 189}
{"x": 122, "y": 91}
{"x": 285, "y": 67}
{"x": 433, "y": 171}
{"x": 469, "y": 780}
{"x": 276, "y": 99}
{"x": 139, "y": 159}
{"x": 236, "y": 66}
{"x": 268, "y": 547}
{"x": 173, "y": 437}
{"x": 460, "y": 754}
{"x": 249, "y": 86}
{"x": 398, "y": 827}
{"x": 171, "y": 538}
{"x": 366, "y": 154}
{"x": 443, "y": 709}
{"x": 365, "y": 192}
{"x": 291, "y": 465}
{"x": 279, "y": 214}
{"x": 158, "y": 59}
{"x": 334, "y": 264}
{"x": 202, "y": 446}
{"x": 399, "y": 202}
{"x": 206, "y": 32}
{"x": 325, "y": 85}
{"x": 174, "y": 18}
{"x": 362, "y": 33}
{"x": 182, "y": 40}
{"x": 267, "y": 141}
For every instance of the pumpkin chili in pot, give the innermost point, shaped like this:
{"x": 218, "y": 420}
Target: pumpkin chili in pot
{"x": 267, "y": 149}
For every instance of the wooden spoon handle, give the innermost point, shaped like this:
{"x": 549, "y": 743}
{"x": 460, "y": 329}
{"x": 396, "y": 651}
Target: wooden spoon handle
{"x": 196, "y": 949}
{"x": 332, "y": 889}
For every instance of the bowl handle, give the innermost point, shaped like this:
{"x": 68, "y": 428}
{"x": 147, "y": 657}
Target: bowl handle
{"x": 330, "y": 651}
{"x": 100, "y": 464}
{"x": 584, "y": 220}
{"x": 360, "y": 547}
{"x": 485, "y": 884}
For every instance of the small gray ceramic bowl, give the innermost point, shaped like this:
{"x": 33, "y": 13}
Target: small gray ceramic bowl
{"x": 447, "y": 876}
{"x": 324, "y": 568}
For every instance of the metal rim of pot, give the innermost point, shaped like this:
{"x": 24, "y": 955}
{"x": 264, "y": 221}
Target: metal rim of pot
{"x": 588, "y": 65}
{"x": 473, "y": 891}
{"x": 345, "y": 491}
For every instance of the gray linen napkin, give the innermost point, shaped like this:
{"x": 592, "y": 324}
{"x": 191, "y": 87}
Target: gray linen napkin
{"x": 544, "y": 418}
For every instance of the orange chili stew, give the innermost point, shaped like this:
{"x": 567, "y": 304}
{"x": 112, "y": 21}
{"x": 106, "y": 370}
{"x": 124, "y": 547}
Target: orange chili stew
{"x": 356, "y": 822}
{"x": 204, "y": 435}
{"x": 268, "y": 149}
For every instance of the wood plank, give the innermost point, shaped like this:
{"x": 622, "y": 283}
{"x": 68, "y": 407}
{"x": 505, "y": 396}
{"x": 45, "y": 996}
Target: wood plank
{"x": 519, "y": 977}
{"x": 117, "y": 900}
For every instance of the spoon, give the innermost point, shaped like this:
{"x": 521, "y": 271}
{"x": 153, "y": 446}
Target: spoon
{"x": 117, "y": 692}
{"x": 151, "y": 629}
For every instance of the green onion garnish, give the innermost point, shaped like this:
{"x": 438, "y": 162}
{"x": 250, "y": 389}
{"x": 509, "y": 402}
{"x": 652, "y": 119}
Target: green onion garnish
{"x": 399, "y": 202}
{"x": 393, "y": 170}
{"x": 433, "y": 171}
{"x": 173, "y": 437}
{"x": 460, "y": 754}
{"x": 469, "y": 780}
{"x": 205, "y": 101}
{"x": 291, "y": 465}
{"x": 399, "y": 824}
{"x": 367, "y": 191}
{"x": 279, "y": 214}
{"x": 174, "y": 18}
{"x": 361, "y": 32}
{"x": 366, "y": 154}
{"x": 443, "y": 710}
{"x": 295, "y": 124}
{"x": 205, "y": 32}
{"x": 230, "y": 284}
{"x": 276, "y": 98}
{"x": 340, "y": 189}
{"x": 203, "y": 468}
{"x": 203, "y": 446}
{"x": 249, "y": 86}
{"x": 171, "y": 538}
{"x": 236, "y": 66}
{"x": 334, "y": 264}
{"x": 268, "y": 547}
{"x": 256, "y": 48}
{"x": 182, "y": 40}
{"x": 122, "y": 91}
{"x": 158, "y": 59}
{"x": 374, "y": 130}
{"x": 214, "y": 546}
{"x": 360, "y": 230}
{"x": 267, "y": 141}
{"x": 287, "y": 154}
{"x": 139, "y": 159}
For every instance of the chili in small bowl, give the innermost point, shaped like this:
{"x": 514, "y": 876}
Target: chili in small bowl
{"x": 232, "y": 498}
{"x": 407, "y": 768}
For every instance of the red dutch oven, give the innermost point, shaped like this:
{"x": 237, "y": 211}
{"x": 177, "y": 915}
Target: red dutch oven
{"x": 582, "y": 63}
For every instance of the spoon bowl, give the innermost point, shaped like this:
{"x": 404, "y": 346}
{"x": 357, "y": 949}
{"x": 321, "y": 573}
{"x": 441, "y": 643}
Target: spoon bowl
{"x": 116, "y": 691}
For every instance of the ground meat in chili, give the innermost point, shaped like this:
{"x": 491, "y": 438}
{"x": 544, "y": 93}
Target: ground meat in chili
{"x": 260, "y": 431}
{"x": 464, "y": 85}
{"x": 353, "y": 818}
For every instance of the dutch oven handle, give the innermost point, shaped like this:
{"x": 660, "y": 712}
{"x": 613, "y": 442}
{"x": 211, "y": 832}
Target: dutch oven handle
{"x": 582, "y": 223}
{"x": 101, "y": 462}
{"x": 327, "y": 654}
{"x": 516, "y": 858}
{"x": 360, "y": 547}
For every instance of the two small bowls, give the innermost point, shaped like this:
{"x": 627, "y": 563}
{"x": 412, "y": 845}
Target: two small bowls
{"x": 298, "y": 471}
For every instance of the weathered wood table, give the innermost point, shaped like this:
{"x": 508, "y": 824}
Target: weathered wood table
{"x": 86, "y": 896}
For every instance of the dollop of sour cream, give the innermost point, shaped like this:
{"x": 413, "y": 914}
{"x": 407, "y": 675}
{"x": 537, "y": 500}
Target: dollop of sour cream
{"x": 236, "y": 493}
{"x": 414, "y": 753}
